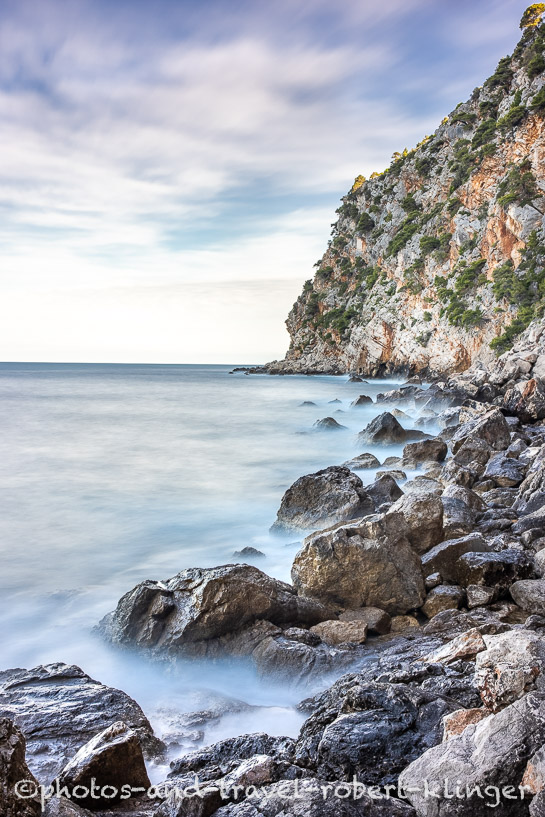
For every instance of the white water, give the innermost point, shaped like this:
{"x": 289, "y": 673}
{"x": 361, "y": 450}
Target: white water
{"x": 113, "y": 474}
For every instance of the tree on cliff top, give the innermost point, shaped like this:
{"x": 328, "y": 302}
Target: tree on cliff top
{"x": 532, "y": 16}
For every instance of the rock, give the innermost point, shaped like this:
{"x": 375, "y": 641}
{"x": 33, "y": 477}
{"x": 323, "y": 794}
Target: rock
{"x": 58, "y": 707}
{"x": 493, "y": 752}
{"x": 424, "y": 451}
{"x": 458, "y": 518}
{"x": 362, "y": 461}
{"x": 307, "y": 403}
{"x": 456, "y": 722}
{"x": 378, "y": 621}
{"x": 61, "y": 807}
{"x": 328, "y": 424}
{"x": 537, "y": 806}
{"x": 113, "y": 759}
{"x": 369, "y": 564}
{"x": 336, "y": 400}
{"x": 509, "y": 667}
{"x": 497, "y": 570}
{"x": 383, "y": 492}
{"x": 402, "y": 623}
{"x": 452, "y": 473}
{"x": 370, "y": 729}
{"x": 297, "y": 661}
{"x": 530, "y": 595}
{"x": 385, "y": 429}
{"x": 466, "y": 645}
{"x": 197, "y": 607}
{"x": 526, "y": 400}
{"x": 341, "y": 632}
{"x": 466, "y": 495}
{"x": 324, "y": 498}
{"x": 473, "y": 450}
{"x": 400, "y": 415}
{"x": 423, "y": 485}
{"x": 433, "y": 580}
{"x": 13, "y": 770}
{"x": 534, "y": 774}
{"x": 396, "y": 475}
{"x": 444, "y": 556}
{"x": 479, "y": 596}
{"x": 490, "y": 427}
{"x": 424, "y": 517}
{"x": 532, "y": 489}
{"x": 362, "y": 400}
{"x": 505, "y": 471}
{"x": 444, "y": 597}
{"x": 249, "y": 553}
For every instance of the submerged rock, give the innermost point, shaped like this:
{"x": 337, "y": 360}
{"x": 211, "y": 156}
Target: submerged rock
{"x": 328, "y": 424}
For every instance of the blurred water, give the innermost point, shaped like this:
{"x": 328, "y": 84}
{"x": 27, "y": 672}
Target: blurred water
{"x": 110, "y": 474}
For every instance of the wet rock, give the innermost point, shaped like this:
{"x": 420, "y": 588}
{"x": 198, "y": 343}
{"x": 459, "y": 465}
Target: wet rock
{"x": 378, "y": 621}
{"x": 323, "y": 498}
{"x": 197, "y": 608}
{"x": 297, "y": 661}
{"x": 13, "y": 770}
{"x": 509, "y": 667}
{"x": 341, "y": 632}
{"x": 384, "y": 491}
{"x": 456, "y": 722}
{"x": 328, "y": 424}
{"x": 423, "y": 485}
{"x": 58, "y": 708}
{"x": 493, "y": 752}
{"x": 385, "y": 429}
{"x": 362, "y": 461}
{"x": 362, "y": 400}
{"x": 369, "y": 564}
{"x": 458, "y": 518}
{"x": 444, "y": 556}
{"x": 454, "y": 474}
{"x": 112, "y": 758}
{"x": 490, "y": 427}
{"x": 497, "y": 570}
{"x": 61, "y": 807}
{"x": 303, "y": 636}
{"x": 424, "y": 451}
{"x": 505, "y": 471}
{"x": 530, "y": 595}
{"x": 444, "y": 597}
{"x": 248, "y": 553}
{"x": 424, "y": 517}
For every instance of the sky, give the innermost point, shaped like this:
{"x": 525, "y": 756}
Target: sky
{"x": 170, "y": 169}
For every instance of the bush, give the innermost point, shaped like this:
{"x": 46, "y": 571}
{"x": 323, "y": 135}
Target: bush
{"x": 532, "y": 16}
{"x": 502, "y": 76}
{"x": 465, "y": 117}
{"x": 427, "y": 316}
{"x": 453, "y": 205}
{"x": 536, "y": 66}
{"x": 538, "y": 102}
{"x": 468, "y": 278}
{"x": 365, "y": 223}
{"x": 409, "y": 205}
{"x": 406, "y": 231}
{"x": 424, "y": 165}
{"x": 518, "y": 186}
{"x": 484, "y": 133}
{"x": 428, "y": 243}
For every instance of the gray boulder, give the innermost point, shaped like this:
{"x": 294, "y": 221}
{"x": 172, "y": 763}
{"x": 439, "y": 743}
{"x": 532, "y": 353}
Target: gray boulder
{"x": 506, "y": 472}
{"x": 362, "y": 461}
{"x": 530, "y": 595}
{"x": 385, "y": 429}
{"x": 13, "y": 770}
{"x": 512, "y": 665}
{"x": 328, "y": 496}
{"x": 424, "y": 451}
{"x": 497, "y": 570}
{"x": 458, "y": 518}
{"x": 490, "y": 427}
{"x": 362, "y": 400}
{"x": 443, "y": 557}
{"x": 443, "y": 597}
{"x": 328, "y": 424}
{"x": 424, "y": 517}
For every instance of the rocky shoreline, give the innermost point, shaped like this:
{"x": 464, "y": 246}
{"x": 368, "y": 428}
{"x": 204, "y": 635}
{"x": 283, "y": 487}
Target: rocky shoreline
{"x": 427, "y": 593}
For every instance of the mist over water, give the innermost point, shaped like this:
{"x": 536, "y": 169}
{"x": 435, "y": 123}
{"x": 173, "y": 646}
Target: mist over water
{"x": 111, "y": 474}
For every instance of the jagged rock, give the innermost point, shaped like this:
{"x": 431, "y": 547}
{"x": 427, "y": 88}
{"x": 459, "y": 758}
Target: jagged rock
{"x": 456, "y": 722}
{"x": 401, "y": 623}
{"x": 396, "y": 475}
{"x": 466, "y": 646}
{"x": 458, "y": 518}
{"x": 444, "y": 597}
{"x": 378, "y": 621}
{"x": 195, "y": 609}
{"x": 13, "y": 770}
{"x": 112, "y": 758}
{"x": 526, "y": 400}
{"x": 424, "y": 518}
{"x": 422, "y": 485}
{"x": 341, "y": 632}
{"x": 362, "y": 400}
{"x": 505, "y": 471}
{"x": 443, "y": 557}
{"x": 497, "y": 570}
{"x": 530, "y": 595}
{"x": 297, "y": 660}
{"x": 249, "y": 553}
{"x": 478, "y": 596}
{"x": 493, "y": 752}
{"x": 324, "y": 498}
{"x": 509, "y": 667}
{"x": 328, "y": 424}
{"x": 369, "y": 564}
{"x": 532, "y": 490}
{"x": 58, "y": 708}
{"x": 433, "y": 580}
{"x": 473, "y": 451}
{"x": 385, "y": 429}
{"x": 424, "y": 451}
{"x": 384, "y": 491}
{"x": 452, "y": 473}
{"x": 490, "y": 427}
{"x": 362, "y": 461}
{"x": 370, "y": 729}
{"x": 61, "y": 807}
{"x": 534, "y": 774}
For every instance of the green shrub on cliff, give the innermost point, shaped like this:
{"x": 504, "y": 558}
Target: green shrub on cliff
{"x": 518, "y": 186}
{"x": 428, "y": 243}
{"x": 484, "y": 133}
{"x": 365, "y": 223}
{"x": 502, "y": 76}
{"x": 538, "y": 102}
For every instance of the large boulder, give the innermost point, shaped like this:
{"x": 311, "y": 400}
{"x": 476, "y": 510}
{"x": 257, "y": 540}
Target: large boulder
{"x": 383, "y": 491}
{"x": 443, "y": 557}
{"x": 385, "y": 429}
{"x": 505, "y": 472}
{"x": 361, "y": 462}
{"x": 509, "y": 667}
{"x": 58, "y": 708}
{"x": 331, "y": 495}
{"x": 526, "y": 400}
{"x": 424, "y": 517}
{"x": 424, "y": 451}
{"x": 530, "y": 595}
{"x": 13, "y": 771}
{"x": 487, "y": 756}
{"x": 111, "y": 760}
{"x": 198, "y": 607}
{"x": 497, "y": 570}
{"x": 369, "y": 564}
{"x": 490, "y": 427}
{"x": 341, "y": 632}
{"x": 458, "y": 518}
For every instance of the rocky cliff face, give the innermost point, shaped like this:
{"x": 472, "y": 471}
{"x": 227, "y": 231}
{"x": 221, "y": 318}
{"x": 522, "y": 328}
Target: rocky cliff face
{"x": 440, "y": 257}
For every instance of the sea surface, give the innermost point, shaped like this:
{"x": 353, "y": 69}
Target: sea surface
{"x": 111, "y": 474}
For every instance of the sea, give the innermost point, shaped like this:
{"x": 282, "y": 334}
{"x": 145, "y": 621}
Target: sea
{"x": 112, "y": 474}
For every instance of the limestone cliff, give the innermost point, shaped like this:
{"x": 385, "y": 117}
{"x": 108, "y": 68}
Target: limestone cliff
{"x": 442, "y": 254}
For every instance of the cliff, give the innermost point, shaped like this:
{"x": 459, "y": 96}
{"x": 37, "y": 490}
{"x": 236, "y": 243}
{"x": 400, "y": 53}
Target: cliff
{"x": 438, "y": 262}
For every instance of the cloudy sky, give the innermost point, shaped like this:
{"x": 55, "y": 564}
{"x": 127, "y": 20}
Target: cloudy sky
{"x": 170, "y": 168}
